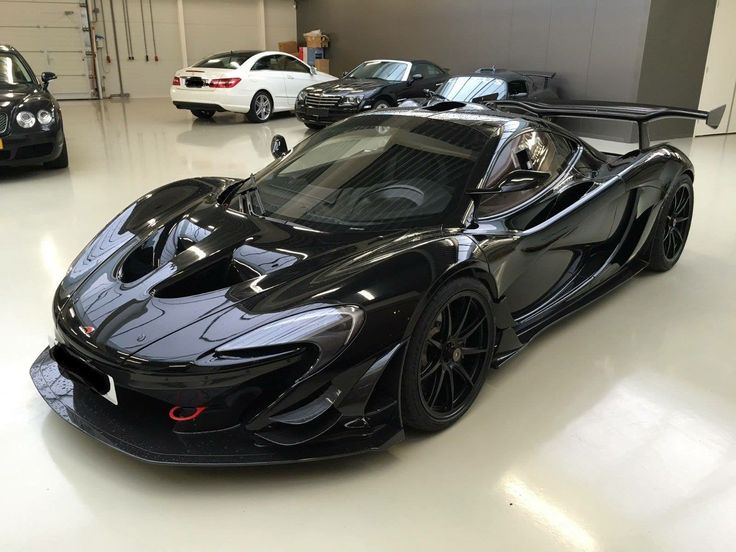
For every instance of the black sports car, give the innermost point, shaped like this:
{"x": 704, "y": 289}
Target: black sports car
{"x": 31, "y": 129}
{"x": 488, "y": 84}
{"x": 374, "y": 84}
{"x": 358, "y": 285}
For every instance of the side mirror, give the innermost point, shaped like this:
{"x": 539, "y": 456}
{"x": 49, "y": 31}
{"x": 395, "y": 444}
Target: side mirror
{"x": 523, "y": 179}
{"x": 344, "y": 74}
{"x": 47, "y": 76}
{"x": 415, "y": 76}
{"x": 278, "y": 146}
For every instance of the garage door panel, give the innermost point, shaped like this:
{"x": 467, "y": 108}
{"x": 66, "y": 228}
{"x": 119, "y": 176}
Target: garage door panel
{"x": 60, "y": 63}
{"x": 42, "y": 39}
{"x": 69, "y": 87}
{"x": 33, "y": 14}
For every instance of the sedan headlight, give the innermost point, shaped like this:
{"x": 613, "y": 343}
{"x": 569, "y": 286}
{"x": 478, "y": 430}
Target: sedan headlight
{"x": 301, "y": 96}
{"x": 329, "y": 328}
{"x": 45, "y": 117}
{"x": 25, "y": 119}
{"x": 351, "y": 100}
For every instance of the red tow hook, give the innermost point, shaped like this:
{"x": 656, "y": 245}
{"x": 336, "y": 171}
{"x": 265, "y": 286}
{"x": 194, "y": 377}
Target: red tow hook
{"x": 176, "y": 415}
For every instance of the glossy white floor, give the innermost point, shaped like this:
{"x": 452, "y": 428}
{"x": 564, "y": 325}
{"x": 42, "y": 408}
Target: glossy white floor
{"x": 615, "y": 430}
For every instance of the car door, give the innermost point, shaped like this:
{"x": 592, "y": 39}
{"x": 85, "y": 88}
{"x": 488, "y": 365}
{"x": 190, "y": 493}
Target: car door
{"x": 267, "y": 73}
{"x": 558, "y": 249}
{"x": 430, "y": 78}
{"x": 298, "y": 76}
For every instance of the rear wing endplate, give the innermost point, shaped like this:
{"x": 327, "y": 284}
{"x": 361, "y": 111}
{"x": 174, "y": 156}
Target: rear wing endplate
{"x": 640, "y": 114}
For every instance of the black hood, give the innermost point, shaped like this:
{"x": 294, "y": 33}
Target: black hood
{"x": 345, "y": 86}
{"x": 178, "y": 258}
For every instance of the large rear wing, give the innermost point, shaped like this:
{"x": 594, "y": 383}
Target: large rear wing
{"x": 640, "y": 114}
{"x": 546, "y": 75}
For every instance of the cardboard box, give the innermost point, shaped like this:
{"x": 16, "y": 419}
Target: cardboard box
{"x": 322, "y": 65}
{"x": 317, "y": 41}
{"x": 289, "y": 47}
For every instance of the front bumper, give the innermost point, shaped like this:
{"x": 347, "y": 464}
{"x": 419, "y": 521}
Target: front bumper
{"x": 139, "y": 426}
{"x": 34, "y": 147}
{"x": 325, "y": 115}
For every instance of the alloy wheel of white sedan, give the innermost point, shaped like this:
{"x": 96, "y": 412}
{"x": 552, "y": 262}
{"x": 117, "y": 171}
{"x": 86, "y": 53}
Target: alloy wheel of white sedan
{"x": 257, "y": 84}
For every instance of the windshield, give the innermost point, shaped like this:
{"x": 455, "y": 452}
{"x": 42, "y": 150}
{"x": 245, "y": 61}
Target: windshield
{"x": 13, "y": 72}
{"x": 376, "y": 172}
{"x": 464, "y": 89}
{"x": 232, "y": 60}
{"x": 384, "y": 70}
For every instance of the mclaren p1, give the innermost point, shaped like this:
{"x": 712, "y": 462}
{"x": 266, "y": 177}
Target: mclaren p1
{"x": 360, "y": 284}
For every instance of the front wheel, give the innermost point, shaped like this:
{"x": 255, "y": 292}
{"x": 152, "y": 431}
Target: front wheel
{"x": 261, "y": 108}
{"x": 448, "y": 356}
{"x": 203, "y": 113}
{"x": 673, "y": 225}
{"x": 381, "y": 104}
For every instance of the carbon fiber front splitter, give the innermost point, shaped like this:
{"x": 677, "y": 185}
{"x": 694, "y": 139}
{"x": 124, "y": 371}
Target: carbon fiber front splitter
{"x": 130, "y": 431}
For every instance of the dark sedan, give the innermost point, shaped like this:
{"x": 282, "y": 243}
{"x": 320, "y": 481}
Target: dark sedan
{"x": 31, "y": 128}
{"x": 374, "y": 84}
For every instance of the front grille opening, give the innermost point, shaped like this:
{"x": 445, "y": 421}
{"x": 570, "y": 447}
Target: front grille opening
{"x": 30, "y": 152}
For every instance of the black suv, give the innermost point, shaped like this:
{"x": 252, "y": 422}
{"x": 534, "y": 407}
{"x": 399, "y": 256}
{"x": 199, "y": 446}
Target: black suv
{"x": 374, "y": 84}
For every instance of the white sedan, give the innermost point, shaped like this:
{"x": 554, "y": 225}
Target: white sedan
{"x": 255, "y": 83}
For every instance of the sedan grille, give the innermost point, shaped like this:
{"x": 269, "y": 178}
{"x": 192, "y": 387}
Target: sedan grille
{"x": 317, "y": 100}
{"x": 3, "y": 122}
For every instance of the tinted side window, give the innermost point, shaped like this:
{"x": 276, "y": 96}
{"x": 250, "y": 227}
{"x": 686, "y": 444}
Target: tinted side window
{"x": 424, "y": 69}
{"x": 291, "y": 64}
{"x": 536, "y": 151}
{"x": 268, "y": 63}
{"x": 517, "y": 87}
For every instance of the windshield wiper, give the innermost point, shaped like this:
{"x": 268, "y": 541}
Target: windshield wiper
{"x": 432, "y": 95}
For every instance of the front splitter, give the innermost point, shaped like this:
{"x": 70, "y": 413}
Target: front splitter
{"x": 131, "y": 433}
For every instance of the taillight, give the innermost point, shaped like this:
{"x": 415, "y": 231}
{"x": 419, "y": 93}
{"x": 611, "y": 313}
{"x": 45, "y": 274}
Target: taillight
{"x": 224, "y": 83}
{"x": 176, "y": 81}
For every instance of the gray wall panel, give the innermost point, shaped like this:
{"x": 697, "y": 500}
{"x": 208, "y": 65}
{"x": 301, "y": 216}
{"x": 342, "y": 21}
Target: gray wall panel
{"x": 601, "y": 49}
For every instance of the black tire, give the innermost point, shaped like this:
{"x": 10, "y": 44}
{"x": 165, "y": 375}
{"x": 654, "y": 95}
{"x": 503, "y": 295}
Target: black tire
{"x": 673, "y": 225}
{"x": 314, "y": 126}
{"x": 382, "y": 104}
{"x": 443, "y": 373}
{"x": 61, "y": 162}
{"x": 203, "y": 114}
{"x": 261, "y": 107}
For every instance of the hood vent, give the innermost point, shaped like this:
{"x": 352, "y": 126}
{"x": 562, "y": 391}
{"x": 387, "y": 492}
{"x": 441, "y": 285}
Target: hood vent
{"x": 197, "y": 280}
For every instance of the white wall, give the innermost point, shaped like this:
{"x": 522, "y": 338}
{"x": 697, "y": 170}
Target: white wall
{"x": 210, "y": 26}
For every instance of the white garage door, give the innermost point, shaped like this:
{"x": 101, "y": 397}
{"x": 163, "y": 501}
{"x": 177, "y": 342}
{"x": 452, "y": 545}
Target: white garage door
{"x": 49, "y": 35}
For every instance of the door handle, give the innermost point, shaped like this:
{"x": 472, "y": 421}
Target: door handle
{"x": 289, "y": 76}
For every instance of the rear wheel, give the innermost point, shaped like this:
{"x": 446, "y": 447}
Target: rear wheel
{"x": 203, "y": 113}
{"x": 673, "y": 225}
{"x": 448, "y": 356}
{"x": 61, "y": 162}
{"x": 261, "y": 108}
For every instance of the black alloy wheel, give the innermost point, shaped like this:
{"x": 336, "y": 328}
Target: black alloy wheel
{"x": 448, "y": 356}
{"x": 673, "y": 226}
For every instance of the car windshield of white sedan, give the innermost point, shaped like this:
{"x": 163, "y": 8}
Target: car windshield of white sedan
{"x": 464, "y": 89}
{"x": 13, "y": 72}
{"x": 384, "y": 70}
{"x": 375, "y": 172}
{"x": 231, "y": 60}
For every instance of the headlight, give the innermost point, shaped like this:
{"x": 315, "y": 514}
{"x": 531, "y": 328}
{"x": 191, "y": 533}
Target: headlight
{"x": 300, "y": 97}
{"x": 329, "y": 328}
{"x": 25, "y": 119}
{"x": 351, "y": 100}
{"x": 44, "y": 117}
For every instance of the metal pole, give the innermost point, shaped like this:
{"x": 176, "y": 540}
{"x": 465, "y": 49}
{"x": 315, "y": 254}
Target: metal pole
{"x": 143, "y": 23}
{"x": 117, "y": 50}
{"x": 182, "y": 33}
{"x": 153, "y": 31}
{"x": 92, "y": 29}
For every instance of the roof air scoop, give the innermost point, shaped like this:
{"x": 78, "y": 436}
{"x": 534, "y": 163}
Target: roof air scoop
{"x": 445, "y": 106}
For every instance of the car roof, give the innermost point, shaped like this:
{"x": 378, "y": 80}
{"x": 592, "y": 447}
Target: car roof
{"x": 240, "y": 53}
